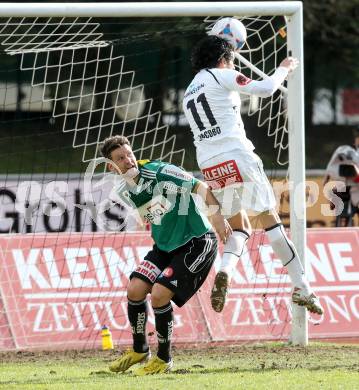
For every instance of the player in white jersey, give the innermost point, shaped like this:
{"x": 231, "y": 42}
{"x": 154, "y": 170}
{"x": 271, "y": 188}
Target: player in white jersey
{"x": 225, "y": 156}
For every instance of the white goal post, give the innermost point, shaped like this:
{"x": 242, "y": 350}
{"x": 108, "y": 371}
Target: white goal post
{"x": 292, "y": 10}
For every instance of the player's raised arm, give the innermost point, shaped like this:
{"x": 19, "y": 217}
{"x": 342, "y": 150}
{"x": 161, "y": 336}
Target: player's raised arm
{"x": 236, "y": 81}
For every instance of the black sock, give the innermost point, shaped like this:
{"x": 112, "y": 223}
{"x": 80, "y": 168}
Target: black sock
{"x": 137, "y": 315}
{"x": 164, "y": 327}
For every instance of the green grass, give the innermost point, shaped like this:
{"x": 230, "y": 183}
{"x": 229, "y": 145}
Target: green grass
{"x": 268, "y": 366}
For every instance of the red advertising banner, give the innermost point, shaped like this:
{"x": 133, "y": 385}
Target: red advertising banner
{"x": 6, "y": 339}
{"x": 57, "y": 290}
{"x": 333, "y": 270}
{"x": 259, "y": 304}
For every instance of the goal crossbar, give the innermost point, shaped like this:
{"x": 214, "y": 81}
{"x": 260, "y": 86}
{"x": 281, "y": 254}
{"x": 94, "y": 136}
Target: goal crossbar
{"x": 149, "y": 9}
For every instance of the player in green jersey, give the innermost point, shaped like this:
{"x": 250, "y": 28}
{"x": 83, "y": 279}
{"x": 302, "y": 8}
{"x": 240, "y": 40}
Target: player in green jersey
{"x": 184, "y": 250}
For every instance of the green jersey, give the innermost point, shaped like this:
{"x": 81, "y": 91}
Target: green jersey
{"x": 163, "y": 197}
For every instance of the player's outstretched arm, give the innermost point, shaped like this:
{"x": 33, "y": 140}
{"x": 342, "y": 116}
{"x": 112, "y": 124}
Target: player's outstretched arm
{"x": 267, "y": 86}
{"x": 217, "y": 220}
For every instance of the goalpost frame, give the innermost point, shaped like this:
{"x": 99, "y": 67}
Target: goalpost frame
{"x": 294, "y": 13}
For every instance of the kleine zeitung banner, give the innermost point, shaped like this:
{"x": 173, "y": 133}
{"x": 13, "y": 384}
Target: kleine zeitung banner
{"x": 57, "y": 290}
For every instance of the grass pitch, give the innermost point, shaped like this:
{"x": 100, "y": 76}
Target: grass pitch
{"x": 267, "y": 366}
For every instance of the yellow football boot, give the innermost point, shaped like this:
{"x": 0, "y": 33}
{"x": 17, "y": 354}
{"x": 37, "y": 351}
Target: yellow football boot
{"x": 154, "y": 366}
{"x": 128, "y": 359}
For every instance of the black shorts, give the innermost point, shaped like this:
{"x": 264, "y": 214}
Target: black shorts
{"x": 182, "y": 270}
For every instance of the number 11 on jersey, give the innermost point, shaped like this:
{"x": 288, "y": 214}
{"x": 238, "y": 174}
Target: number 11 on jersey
{"x": 191, "y": 105}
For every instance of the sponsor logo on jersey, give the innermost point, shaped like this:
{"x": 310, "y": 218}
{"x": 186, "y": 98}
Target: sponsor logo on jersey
{"x": 154, "y": 210}
{"x": 221, "y": 175}
{"x": 209, "y": 133}
{"x": 242, "y": 80}
{"x": 176, "y": 172}
{"x": 172, "y": 188}
{"x": 193, "y": 89}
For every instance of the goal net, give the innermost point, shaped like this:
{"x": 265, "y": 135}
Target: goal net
{"x": 68, "y": 248}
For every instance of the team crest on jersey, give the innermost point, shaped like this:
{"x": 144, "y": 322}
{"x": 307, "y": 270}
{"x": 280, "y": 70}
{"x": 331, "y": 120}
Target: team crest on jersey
{"x": 242, "y": 80}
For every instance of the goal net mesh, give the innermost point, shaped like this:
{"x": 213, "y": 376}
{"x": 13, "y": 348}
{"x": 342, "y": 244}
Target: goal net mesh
{"x": 65, "y": 85}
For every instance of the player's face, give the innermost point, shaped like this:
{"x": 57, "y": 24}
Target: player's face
{"x": 123, "y": 158}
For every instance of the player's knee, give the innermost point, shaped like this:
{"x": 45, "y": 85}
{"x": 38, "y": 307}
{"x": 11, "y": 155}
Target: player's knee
{"x": 246, "y": 228}
{"x": 241, "y": 222}
{"x": 137, "y": 289}
{"x": 160, "y": 295}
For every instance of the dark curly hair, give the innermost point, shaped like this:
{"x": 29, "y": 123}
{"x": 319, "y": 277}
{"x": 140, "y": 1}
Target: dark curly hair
{"x": 112, "y": 143}
{"x": 209, "y": 51}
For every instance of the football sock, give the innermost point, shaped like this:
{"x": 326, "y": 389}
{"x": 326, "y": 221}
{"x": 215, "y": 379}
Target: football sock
{"x": 286, "y": 252}
{"x": 164, "y": 328}
{"x": 233, "y": 250}
{"x": 137, "y": 315}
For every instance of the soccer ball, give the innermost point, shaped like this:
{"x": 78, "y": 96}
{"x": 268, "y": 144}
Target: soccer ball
{"x": 231, "y": 29}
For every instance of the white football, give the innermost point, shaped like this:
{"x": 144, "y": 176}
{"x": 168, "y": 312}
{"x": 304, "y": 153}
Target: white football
{"x": 231, "y": 29}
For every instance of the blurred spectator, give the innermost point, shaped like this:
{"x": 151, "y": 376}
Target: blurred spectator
{"x": 344, "y": 167}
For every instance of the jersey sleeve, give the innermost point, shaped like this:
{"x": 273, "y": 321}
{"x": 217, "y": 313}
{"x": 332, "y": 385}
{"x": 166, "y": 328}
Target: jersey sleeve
{"x": 179, "y": 177}
{"x": 235, "y": 81}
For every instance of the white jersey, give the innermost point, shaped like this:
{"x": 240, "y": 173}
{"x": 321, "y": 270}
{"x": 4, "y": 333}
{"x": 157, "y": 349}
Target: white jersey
{"x": 212, "y": 105}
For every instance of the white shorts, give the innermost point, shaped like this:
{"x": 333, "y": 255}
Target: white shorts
{"x": 239, "y": 182}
